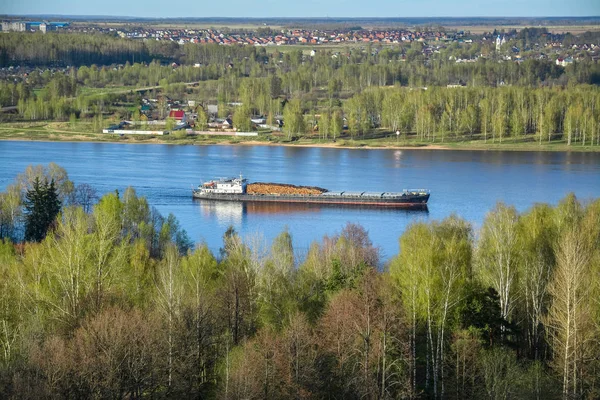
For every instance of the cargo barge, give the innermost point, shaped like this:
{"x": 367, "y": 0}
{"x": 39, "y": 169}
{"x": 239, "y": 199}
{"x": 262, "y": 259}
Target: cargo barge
{"x": 238, "y": 189}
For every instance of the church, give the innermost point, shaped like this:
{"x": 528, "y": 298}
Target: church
{"x": 500, "y": 42}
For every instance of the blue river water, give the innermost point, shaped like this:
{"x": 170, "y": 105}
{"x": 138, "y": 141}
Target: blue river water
{"x": 468, "y": 183}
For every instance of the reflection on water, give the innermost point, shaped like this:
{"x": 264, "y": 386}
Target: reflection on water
{"x": 234, "y": 213}
{"x": 280, "y": 208}
{"x": 224, "y": 212}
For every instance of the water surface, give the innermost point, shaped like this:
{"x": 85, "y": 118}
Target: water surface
{"x": 468, "y": 183}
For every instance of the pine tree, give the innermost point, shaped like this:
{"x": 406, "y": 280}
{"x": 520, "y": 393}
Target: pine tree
{"x": 42, "y": 206}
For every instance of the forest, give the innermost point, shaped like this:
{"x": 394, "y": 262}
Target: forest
{"x": 109, "y": 299}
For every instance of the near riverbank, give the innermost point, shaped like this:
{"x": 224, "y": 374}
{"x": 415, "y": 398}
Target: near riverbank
{"x": 63, "y": 132}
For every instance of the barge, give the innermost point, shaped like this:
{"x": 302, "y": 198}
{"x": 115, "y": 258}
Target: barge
{"x": 238, "y": 189}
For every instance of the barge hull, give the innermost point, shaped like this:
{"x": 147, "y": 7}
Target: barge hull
{"x": 414, "y": 201}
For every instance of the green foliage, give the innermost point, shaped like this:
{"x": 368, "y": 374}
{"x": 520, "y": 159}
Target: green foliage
{"x": 499, "y": 253}
{"x": 241, "y": 118}
{"x": 71, "y": 49}
{"x": 480, "y": 310}
{"x": 431, "y": 270}
{"x": 10, "y": 212}
{"x": 171, "y": 123}
{"x": 336, "y": 124}
{"x": 202, "y": 121}
{"x": 171, "y": 231}
{"x": 448, "y": 113}
{"x": 276, "y": 296}
{"x": 293, "y": 118}
{"x": 68, "y": 257}
{"x": 98, "y": 123}
{"x": 115, "y": 302}
{"x": 324, "y": 124}
{"x": 72, "y": 120}
{"x": 500, "y": 372}
{"x": 42, "y": 206}
{"x": 51, "y": 172}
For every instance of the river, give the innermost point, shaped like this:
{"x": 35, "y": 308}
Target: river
{"x": 468, "y": 183}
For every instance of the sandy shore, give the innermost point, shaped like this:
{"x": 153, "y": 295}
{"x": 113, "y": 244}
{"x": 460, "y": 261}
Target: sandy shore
{"x": 63, "y": 136}
{"x": 83, "y": 139}
{"x": 458, "y": 146}
{"x": 337, "y": 146}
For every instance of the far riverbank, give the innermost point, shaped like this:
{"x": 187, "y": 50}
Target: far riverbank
{"x": 53, "y": 132}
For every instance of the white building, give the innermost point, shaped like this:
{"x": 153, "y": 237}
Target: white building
{"x": 500, "y": 42}
{"x": 16, "y": 26}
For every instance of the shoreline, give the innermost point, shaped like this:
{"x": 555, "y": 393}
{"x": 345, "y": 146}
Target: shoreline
{"x": 460, "y": 146}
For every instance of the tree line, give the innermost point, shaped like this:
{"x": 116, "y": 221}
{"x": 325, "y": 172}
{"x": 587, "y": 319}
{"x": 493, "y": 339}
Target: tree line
{"x": 570, "y": 114}
{"x": 101, "y": 308}
{"x": 431, "y": 114}
{"x": 62, "y": 49}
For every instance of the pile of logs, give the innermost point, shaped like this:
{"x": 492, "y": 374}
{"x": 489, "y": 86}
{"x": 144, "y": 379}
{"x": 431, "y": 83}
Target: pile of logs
{"x": 282, "y": 189}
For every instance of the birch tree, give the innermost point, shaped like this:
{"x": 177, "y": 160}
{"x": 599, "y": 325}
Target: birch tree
{"x": 108, "y": 250}
{"x": 198, "y": 328}
{"x": 572, "y": 316}
{"x": 497, "y": 256}
{"x": 538, "y": 233}
{"x": 68, "y": 279}
{"x": 275, "y": 282}
{"x": 431, "y": 286}
{"x": 169, "y": 297}
{"x": 404, "y": 271}
{"x": 10, "y": 212}
{"x": 238, "y": 291}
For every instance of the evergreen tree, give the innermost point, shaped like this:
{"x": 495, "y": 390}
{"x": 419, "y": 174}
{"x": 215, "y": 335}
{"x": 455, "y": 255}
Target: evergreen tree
{"x": 42, "y": 205}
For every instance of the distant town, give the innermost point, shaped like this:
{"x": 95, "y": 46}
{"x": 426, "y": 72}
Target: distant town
{"x": 32, "y": 26}
{"x": 558, "y": 46}
{"x": 562, "y": 48}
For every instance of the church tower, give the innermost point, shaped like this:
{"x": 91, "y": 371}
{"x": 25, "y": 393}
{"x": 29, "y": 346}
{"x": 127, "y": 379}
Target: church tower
{"x": 500, "y": 42}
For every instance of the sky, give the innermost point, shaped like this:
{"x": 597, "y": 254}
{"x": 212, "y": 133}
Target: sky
{"x": 306, "y": 8}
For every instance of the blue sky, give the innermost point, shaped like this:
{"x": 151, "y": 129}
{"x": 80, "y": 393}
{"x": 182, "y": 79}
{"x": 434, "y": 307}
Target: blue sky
{"x": 306, "y": 8}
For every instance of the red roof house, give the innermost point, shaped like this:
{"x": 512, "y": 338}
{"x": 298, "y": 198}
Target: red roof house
{"x": 179, "y": 115}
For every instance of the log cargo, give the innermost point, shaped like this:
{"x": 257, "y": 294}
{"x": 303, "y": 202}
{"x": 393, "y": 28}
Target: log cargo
{"x": 282, "y": 189}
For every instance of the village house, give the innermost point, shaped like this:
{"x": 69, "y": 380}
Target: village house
{"x": 563, "y": 62}
{"x": 178, "y": 115}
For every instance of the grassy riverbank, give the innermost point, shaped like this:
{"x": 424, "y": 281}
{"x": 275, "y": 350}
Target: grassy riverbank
{"x": 65, "y": 132}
